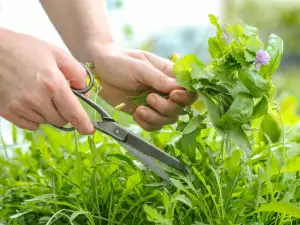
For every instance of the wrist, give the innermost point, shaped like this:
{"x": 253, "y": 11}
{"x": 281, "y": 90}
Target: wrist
{"x": 95, "y": 48}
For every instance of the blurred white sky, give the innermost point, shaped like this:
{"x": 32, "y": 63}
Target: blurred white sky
{"x": 146, "y": 16}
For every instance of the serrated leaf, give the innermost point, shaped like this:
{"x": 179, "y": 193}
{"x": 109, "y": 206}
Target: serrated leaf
{"x": 254, "y": 44}
{"x": 214, "y": 21}
{"x": 154, "y": 216}
{"x": 249, "y": 56}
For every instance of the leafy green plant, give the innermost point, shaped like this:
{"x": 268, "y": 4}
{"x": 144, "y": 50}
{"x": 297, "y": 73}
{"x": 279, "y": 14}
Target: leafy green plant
{"x": 55, "y": 177}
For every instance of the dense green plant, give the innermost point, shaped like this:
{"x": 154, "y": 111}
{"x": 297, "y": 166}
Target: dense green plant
{"x": 54, "y": 177}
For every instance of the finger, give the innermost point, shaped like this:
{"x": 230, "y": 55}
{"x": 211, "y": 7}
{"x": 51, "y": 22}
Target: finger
{"x": 70, "y": 108}
{"x": 162, "y": 64}
{"x": 154, "y": 78}
{"x": 165, "y": 107}
{"x": 33, "y": 116}
{"x": 49, "y": 111}
{"x": 71, "y": 69}
{"x": 154, "y": 118}
{"x": 183, "y": 97}
{"x": 21, "y": 122}
{"x": 146, "y": 126}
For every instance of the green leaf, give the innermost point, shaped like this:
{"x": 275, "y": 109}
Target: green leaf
{"x": 185, "y": 200}
{"x": 213, "y": 110}
{"x": 20, "y": 214}
{"x": 183, "y": 68}
{"x": 255, "y": 83}
{"x": 275, "y": 50}
{"x": 240, "y": 138}
{"x": 249, "y": 56}
{"x": 249, "y": 30}
{"x": 232, "y": 165}
{"x": 193, "y": 124}
{"x": 214, "y": 21}
{"x": 154, "y": 216}
{"x": 77, "y": 213}
{"x": 184, "y": 80}
{"x": 199, "y": 72}
{"x": 133, "y": 181}
{"x": 254, "y": 44}
{"x": 78, "y": 169}
{"x": 284, "y": 208}
{"x": 270, "y": 127}
{"x": 235, "y": 30}
{"x": 239, "y": 112}
{"x": 188, "y": 143}
{"x": 215, "y": 49}
{"x": 260, "y": 108}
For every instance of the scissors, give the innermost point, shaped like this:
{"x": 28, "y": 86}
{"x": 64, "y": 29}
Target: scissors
{"x": 143, "y": 151}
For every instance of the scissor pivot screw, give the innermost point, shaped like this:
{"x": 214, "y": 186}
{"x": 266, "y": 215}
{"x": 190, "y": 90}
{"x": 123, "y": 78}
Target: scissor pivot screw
{"x": 117, "y": 131}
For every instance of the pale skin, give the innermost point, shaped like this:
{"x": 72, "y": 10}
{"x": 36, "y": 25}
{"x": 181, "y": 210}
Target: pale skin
{"x": 33, "y": 78}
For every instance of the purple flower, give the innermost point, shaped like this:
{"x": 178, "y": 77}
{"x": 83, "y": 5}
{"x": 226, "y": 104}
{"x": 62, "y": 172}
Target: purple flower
{"x": 262, "y": 58}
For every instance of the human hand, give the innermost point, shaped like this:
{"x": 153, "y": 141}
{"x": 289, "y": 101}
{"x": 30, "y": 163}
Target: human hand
{"x": 33, "y": 84}
{"x": 127, "y": 73}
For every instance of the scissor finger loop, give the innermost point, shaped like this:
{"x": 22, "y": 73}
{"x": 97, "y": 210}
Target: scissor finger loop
{"x": 89, "y": 86}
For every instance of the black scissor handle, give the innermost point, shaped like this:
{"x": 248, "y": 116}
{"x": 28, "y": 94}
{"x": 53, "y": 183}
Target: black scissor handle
{"x": 89, "y": 86}
{"x": 80, "y": 93}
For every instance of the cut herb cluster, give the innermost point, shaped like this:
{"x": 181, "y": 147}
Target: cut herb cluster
{"x": 236, "y": 85}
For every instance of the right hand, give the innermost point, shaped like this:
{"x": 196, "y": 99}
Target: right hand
{"x": 33, "y": 84}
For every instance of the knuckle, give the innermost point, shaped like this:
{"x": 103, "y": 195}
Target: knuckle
{"x": 138, "y": 54}
{"x": 33, "y": 127}
{"x": 174, "y": 119}
{"x": 50, "y": 85}
{"x": 74, "y": 118}
{"x": 60, "y": 123}
{"x": 163, "y": 79}
{"x": 14, "y": 106}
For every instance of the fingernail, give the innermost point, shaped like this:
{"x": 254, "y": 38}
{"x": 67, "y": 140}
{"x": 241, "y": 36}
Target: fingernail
{"x": 173, "y": 80}
{"x": 143, "y": 112}
{"x": 177, "y": 96}
{"x": 153, "y": 98}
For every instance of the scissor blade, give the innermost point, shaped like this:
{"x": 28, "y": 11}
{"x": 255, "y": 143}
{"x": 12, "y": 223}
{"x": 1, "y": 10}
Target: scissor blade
{"x": 150, "y": 150}
{"x": 147, "y": 161}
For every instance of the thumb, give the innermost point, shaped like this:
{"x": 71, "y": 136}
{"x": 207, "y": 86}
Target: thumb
{"x": 73, "y": 71}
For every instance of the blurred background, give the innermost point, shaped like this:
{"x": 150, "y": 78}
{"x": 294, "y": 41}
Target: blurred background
{"x": 182, "y": 26}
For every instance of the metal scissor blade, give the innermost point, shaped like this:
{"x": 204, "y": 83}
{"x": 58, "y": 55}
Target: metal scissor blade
{"x": 154, "y": 152}
{"x": 147, "y": 161}
{"x": 123, "y": 136}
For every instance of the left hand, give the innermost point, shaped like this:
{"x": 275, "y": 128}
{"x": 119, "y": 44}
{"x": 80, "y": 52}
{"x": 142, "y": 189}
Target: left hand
{"x": 126, "y": 73}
